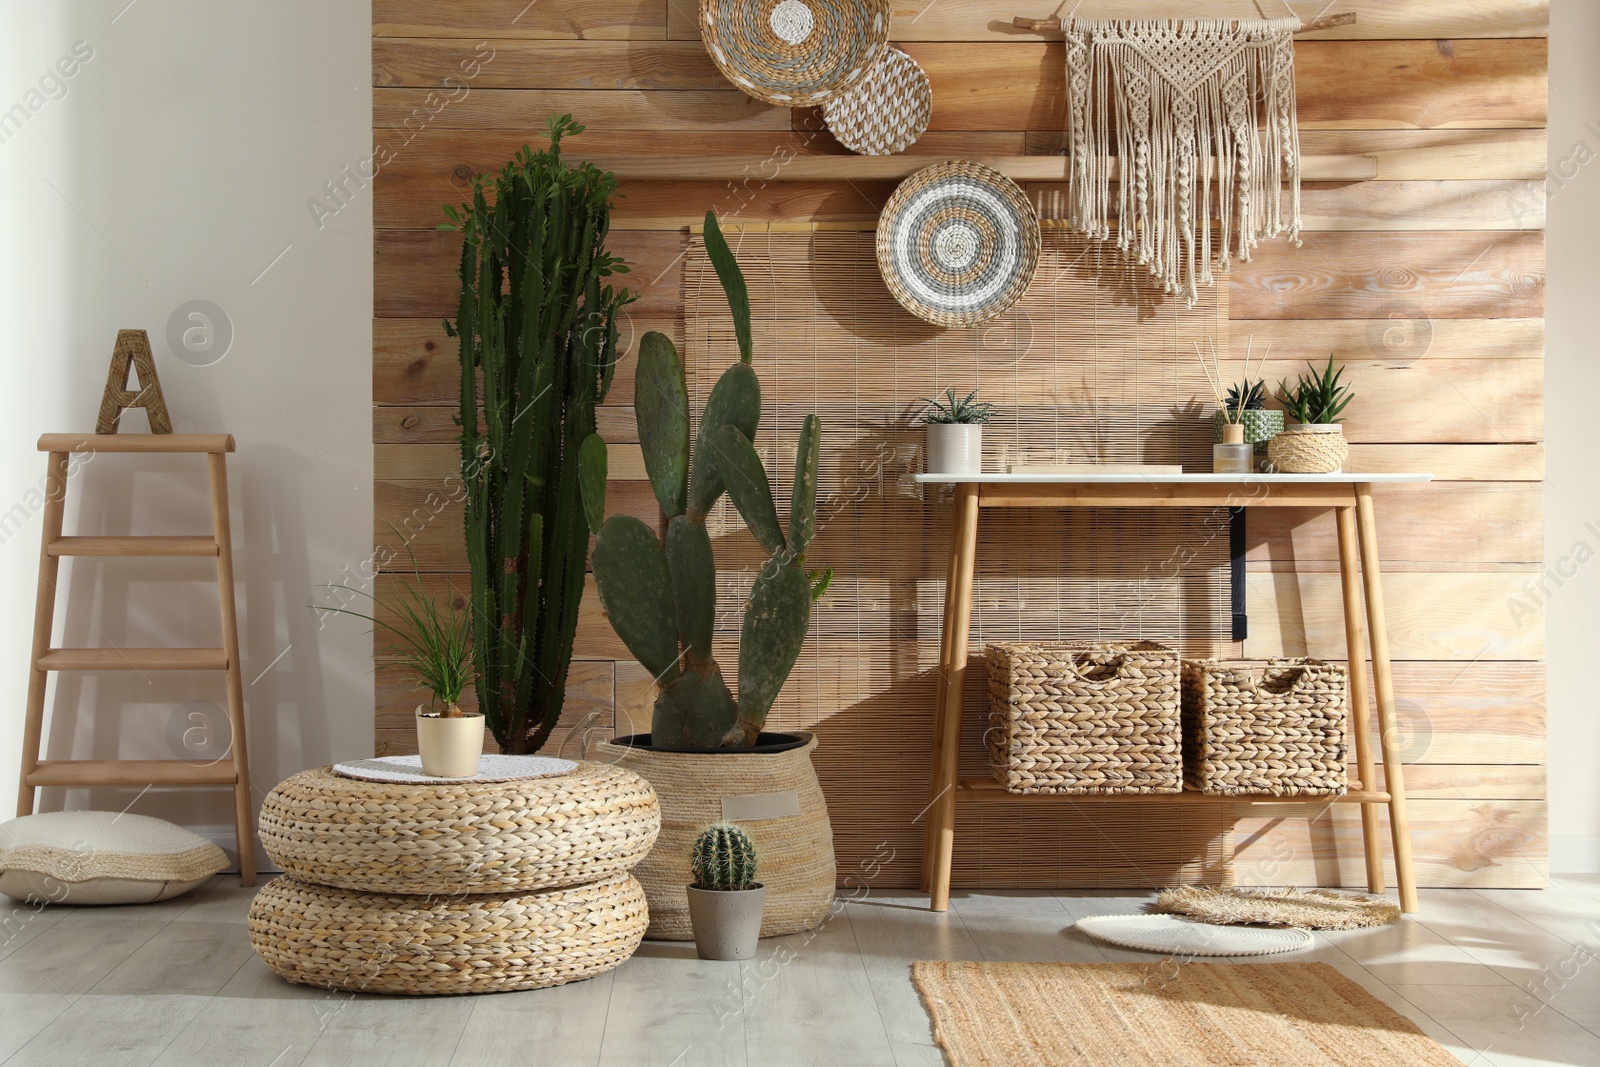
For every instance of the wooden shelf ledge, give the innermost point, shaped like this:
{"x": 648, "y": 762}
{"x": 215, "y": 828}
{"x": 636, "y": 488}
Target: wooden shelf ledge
{"x": 1335, "y": 168}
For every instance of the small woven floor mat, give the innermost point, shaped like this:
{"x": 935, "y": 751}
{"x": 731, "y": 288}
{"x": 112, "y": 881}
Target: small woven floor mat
{"x": 492, "y": 768}
{"x": 1304, "y": 909}
{"x": 1172, "y": 936}
{"x": 1196, "y": 1014}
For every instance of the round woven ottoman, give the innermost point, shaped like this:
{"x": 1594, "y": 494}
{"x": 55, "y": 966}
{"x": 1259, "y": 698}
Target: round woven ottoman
{"x": 389, "y": 943}
{"x": 475, "y": 837}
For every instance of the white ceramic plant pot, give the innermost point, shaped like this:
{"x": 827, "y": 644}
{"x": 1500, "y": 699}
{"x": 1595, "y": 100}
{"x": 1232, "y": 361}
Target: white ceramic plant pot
{"x": 955, "y": 448}
{"x": 727, "y": 923}
{"x": 450, "y": 748}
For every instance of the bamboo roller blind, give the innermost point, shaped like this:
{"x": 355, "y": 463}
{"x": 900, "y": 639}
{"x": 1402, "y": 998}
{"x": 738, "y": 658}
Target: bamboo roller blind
{"x": 1090, "y": 366}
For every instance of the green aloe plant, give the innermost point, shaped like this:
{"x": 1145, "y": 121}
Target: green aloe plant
{"x": 1317, "y": 397}
{"x": 661, "y": 593}
{"x": 538, "y": 332}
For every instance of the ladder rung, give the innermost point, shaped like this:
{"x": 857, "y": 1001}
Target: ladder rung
{"x": 132, "y": 546}
{"x": 134, "y": 659}
{"x": 136, "y": 442}
{"x": 87, "y": 772}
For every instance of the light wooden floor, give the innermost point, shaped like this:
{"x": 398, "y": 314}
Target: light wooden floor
{"x": 1504, "y": 977}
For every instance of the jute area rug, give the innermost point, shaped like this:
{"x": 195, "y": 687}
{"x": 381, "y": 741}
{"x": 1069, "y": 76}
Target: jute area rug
{"x": 1165, "y": 1012}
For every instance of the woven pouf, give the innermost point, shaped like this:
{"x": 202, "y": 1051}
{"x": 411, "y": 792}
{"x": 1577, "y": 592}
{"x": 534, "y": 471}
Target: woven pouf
{"x": 794, "y": 852}
{"x": 384, "y": 943}
{"x": 476, "y": 837}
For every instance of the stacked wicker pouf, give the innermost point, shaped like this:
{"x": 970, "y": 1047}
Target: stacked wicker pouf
{"x": 466, "y": 887}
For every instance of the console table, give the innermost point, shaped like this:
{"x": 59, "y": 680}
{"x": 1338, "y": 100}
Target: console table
{"x": 1348, "y": 496}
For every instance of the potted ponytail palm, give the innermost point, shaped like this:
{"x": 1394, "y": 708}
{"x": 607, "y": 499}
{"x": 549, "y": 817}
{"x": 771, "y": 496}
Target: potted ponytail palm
{"x": 436, "y": 647}
{"x": 707, "y": 752}
{"x": 725, "y": 901}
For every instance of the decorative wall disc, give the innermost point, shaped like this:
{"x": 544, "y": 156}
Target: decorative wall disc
{"x": 796, "y": 53}
{"x": 958, "y": 244}
{"x": 886, "y": 113}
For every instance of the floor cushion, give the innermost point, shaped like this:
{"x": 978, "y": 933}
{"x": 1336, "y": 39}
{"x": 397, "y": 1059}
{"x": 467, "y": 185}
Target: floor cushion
{"x": 102, "y": 857}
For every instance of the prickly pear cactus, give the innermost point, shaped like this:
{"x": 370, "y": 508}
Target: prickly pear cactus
{"x": 724, "y": 858}
{"x": 661, "y": 594}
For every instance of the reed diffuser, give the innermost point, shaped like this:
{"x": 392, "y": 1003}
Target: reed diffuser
{"x": 1232, "y": 453}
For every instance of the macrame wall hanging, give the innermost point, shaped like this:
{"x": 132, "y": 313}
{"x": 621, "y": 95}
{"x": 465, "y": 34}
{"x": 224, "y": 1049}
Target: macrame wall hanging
{"x": 1200, "y": 114}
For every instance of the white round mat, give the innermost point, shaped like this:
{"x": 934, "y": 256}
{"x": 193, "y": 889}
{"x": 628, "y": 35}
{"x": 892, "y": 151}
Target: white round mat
{"x": 1173, "y": 936}
{"x": 492, "y": 768}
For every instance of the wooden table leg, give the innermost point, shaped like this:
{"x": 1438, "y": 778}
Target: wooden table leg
{"x": 946, "y": 636}
{"x": 1355, "y": 643}
{"x": 952, "y": 676}
{"x": 1383, "y": 686}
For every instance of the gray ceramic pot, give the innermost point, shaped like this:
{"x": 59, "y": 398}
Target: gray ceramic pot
{"x": 727, "y": 923}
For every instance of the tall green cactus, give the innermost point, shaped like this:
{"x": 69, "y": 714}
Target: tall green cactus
{"x": 724, "y": 858}
{"x": 537, "y": 326}
{"x": 661, "y": 594}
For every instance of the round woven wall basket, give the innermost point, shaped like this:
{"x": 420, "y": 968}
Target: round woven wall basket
{"x": 886, "y": 113}
{"x": 380, "y": 943}
{"x": 794, "y": 852}
{"x": 496, "y": 837}
{"x": 795, "y": 53}
{"x": 1308, "y": 451}
{"x": 958, "y": 244}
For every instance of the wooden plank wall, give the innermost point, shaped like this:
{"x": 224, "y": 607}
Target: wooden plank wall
{"x": 1428, "y": 283}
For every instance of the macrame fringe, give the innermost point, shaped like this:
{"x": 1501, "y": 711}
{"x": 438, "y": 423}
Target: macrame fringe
{"x": 1185, "y": 106}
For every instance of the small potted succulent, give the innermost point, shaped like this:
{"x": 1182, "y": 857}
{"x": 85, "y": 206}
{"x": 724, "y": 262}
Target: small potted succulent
{"x": 1246, "y": 406}
{"x": 955, "y": 432}
{"x": 436, "y": 645}
{"x": 725, "y": 901}
{"x": 1313, "y": 442}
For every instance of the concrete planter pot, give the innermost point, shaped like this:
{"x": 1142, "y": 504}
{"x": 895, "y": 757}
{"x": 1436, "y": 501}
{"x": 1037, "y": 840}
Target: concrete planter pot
{"x": 955, "y": 448}
{"x": 450, "y": 748}
{"x": 727, "y": 923}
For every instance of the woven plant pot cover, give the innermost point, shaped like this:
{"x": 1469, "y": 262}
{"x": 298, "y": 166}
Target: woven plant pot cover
{"x": 958, "y": 244}
{"x": 886, "y": 113}
{"x": 476, "y": 837}
{"x": 795, "y": 53}
{"x": 1084, "y": 718}
{"x": 385, "y": 943}
{"x": 1278, "y": 732}
{"x": 794, "y": 852}
{"x": 1308, "y": 451}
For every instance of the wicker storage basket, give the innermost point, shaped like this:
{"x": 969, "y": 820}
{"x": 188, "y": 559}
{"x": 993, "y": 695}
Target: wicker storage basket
{"x": 1277, "y": 732}
{"x": 1085, "y": 718}
{"x": 1303, "y": 451}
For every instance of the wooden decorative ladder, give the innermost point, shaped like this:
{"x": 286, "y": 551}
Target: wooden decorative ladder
{"x": 80, "y": 774}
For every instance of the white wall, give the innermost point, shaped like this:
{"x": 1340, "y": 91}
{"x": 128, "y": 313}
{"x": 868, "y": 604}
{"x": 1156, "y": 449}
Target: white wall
{"x": 1572, "y": 388}
{"x": 175, "y": 165}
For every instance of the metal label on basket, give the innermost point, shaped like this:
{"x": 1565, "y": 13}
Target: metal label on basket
{"x": 758, "y": 806}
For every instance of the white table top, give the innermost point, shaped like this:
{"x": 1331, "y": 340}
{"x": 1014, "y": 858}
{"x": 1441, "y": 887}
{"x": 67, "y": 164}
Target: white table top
{"x": 1134, "y": 478}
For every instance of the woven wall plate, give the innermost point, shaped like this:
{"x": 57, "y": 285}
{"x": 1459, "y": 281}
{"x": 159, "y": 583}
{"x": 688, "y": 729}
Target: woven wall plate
{"x": 795, "y": 53}
{"x": 958, "y": 244}
{"x": 1173, "y": 936}
{"x": 887, "y": 112}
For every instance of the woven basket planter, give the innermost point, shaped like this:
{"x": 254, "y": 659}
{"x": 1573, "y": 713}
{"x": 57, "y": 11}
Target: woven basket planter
{"x": 382, "y": 943}
{"x": 887, "y": 112}
{"x": 1278, "y": 732}
{"x": 1304, "y": 450}
{"x": 478, "y": 837}
{"x": 795, "y": 851}
{"x": 1084, "y": 718}
{"x": 795, "y": 53}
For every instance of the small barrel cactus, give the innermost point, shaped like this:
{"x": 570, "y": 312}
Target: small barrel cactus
{"x": 724, "y": 858}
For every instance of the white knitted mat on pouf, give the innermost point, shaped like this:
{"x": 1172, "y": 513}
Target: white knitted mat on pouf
{"x": 492, "y": 768}
{"x": 1172, "y": 936}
